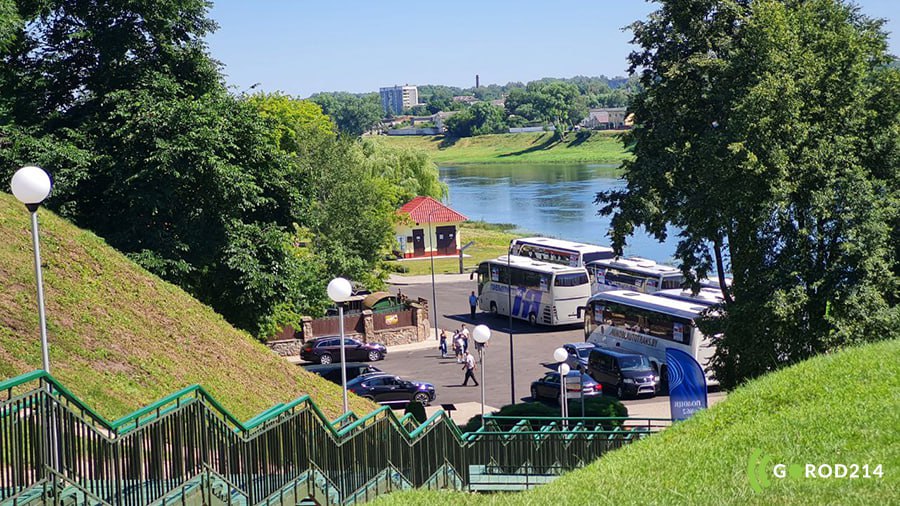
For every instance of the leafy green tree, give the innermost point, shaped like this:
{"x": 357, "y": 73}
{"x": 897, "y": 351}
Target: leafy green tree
{"x": 479, "y": 119}
{"x": 410, "y": 171}
{"x": 353, "y": 114}
{"x": 769, "y": 133}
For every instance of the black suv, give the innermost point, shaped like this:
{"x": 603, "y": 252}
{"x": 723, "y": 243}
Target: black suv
{"x": 624, "y": 374}
{"x": 332, "y": 372}
{"x": 326, "y": 350}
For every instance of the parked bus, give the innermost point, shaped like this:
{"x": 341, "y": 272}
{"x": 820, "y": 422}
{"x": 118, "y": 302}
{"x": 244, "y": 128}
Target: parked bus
{"x": 638, "y": 274}
{"x": 634, "y": 322}
{"x": 558, "y": 251}
{"x": 545, "y": 293}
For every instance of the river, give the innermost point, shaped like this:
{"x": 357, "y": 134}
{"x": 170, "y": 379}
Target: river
{"x": 553, "y": 200}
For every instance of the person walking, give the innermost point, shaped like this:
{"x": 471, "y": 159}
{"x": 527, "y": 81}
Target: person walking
{"x": 443, "y": 346}
{"x": 469, "y": 367}
{"x": 473, "y": 303}
{"x": 458, "y": 347}
{"x": 464, "y": 332}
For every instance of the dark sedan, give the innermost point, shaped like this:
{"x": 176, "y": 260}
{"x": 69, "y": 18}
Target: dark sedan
{"x": 326, "y": 350}
{"x": 548, "y": 386}
{"x": 389, "y": 389}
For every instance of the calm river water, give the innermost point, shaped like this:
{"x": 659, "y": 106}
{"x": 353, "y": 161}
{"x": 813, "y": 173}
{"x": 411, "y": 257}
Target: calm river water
{"x": 555, "y": 200}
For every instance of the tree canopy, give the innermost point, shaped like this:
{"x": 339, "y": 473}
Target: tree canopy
{"x": 768, "y": 132}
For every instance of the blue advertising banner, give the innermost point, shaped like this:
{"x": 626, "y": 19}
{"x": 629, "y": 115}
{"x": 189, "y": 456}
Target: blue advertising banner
{"x": 687, "y": 384}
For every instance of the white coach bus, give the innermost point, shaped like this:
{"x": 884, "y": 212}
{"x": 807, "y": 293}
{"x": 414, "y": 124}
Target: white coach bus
{"x": 637, "y": 274}
{"x": 542, "y": 293}
{"x": 629, "y": 321}
{"x": 558, "y": 251}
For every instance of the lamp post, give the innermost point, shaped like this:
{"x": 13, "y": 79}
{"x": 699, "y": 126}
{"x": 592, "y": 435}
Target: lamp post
{"x": 433, "y": 290}
{"x": 481, "y": 334}
{"x": 512, "y": 366}
{"x": 339, "y": 290}
{"x": 31, "y": 185}
{"x": 560, "y": 355}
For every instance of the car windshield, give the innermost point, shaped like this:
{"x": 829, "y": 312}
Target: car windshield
{"x": 584, "y": 352}
{"x": 634, "y": 363}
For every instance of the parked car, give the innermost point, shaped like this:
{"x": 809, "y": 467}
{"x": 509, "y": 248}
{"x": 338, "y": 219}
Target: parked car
{"x": 390, "y": 389}
{"x": 326, "y": 350}
{"x": 578, "y": 354}
{"x": 623, "y": 374}
{"x": 548, "y": 386}
{"x": 332, "y": 372}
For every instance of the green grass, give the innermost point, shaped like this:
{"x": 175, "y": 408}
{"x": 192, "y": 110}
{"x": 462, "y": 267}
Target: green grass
{"x": 535, "y": 147}
{"x": 839, "y": 408}
{"x": 121, "y": 338}
{"x": 491, "y": 241}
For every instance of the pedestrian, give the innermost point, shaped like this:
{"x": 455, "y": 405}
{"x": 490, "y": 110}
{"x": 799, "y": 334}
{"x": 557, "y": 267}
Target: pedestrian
{"x": 458, "y": 347}
{"x": 443, "y": 346}
{"x": 469, "y": 367}
{"x": 464, "y": 332}
{"x": 473, "y": 303}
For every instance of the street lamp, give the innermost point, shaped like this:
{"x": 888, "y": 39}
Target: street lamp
{"x": 512, "y": 366}
{"x": 339, "y": 290}
{"x": 560, "y": 355}
{"x": 433, "y": 251}
{"x": 481, "y": 334}
{"x": 31, "y": 185}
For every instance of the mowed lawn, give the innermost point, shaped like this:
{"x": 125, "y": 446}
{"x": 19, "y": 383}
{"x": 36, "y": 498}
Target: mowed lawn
{"x": 536, "y": 147}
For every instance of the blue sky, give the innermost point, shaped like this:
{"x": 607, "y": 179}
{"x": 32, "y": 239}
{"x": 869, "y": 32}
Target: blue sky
{"x": 302, "y": 47}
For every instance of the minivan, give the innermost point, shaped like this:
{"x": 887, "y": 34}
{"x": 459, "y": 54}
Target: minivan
{"x": 623, "y": 374}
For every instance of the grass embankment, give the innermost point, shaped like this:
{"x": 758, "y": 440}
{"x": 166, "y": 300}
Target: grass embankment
{"x": 841, "y": 408}
{"x": 534, "y": 147}
{"x": 121, "y": 338}
{"x": 491, "y": 240}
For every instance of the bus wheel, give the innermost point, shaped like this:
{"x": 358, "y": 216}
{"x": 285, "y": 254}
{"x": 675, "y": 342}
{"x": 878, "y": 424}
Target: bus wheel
{"x": 532, "y": 319}
{"x": 663, "y": 381}
{"x": 493, "y": 308}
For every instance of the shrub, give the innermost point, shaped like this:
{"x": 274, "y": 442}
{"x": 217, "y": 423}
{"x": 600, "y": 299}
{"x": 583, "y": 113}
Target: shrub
{"x": 594, "y": 407}
{"x": 418, "y": 411}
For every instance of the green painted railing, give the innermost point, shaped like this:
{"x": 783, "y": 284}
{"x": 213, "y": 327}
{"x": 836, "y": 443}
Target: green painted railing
{"x": 54, "y": 448}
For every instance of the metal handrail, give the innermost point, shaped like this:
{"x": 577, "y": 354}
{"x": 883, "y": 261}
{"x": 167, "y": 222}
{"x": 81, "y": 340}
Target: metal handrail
{"x": 156, "y": 451}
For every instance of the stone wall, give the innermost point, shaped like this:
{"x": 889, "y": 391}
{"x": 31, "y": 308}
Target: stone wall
{"x": 418, "y": 332}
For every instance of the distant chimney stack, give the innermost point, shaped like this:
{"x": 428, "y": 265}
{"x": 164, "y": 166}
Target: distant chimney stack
{"x": 477, "y": 83}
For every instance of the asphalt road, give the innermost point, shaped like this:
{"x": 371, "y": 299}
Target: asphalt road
{"x": 532, "y": 349}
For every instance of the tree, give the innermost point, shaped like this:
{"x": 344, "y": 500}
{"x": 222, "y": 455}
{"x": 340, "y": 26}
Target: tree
{"x": 767, "y": 132}
{"x": 479, "y": 119}
{"x": 353, "y": 114}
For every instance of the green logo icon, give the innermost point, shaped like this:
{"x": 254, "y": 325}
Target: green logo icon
{"x": 758, "y": 469}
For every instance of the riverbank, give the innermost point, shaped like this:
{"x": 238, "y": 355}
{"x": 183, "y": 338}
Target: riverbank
{"x": 602, "y": 147}
{"x": 491, "y": 240}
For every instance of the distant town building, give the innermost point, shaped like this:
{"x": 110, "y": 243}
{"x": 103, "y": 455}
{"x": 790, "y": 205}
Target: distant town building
{"x": 466, "y": 99}
{"x": 395, "y": 99}
{"x": 607, "y": 118}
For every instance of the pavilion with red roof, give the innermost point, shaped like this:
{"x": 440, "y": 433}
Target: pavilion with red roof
{"x": 427, "y": 228}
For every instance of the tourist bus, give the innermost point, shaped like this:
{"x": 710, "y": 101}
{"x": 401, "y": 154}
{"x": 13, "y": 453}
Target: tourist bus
{"x": 638, "y": 274}
{"x": 558, "y": 251}
{"x": 542, "y": 292}
{"x": 629, "y": 321}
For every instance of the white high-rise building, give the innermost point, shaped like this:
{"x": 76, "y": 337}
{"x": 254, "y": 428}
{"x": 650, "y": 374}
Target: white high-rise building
{"x": 396, "y": 98}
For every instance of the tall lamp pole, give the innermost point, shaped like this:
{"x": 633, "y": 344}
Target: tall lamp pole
{"x": 560, "y": 355}
{"x": 339, "y": 290}
{"x": 512, "y": 362}
{"x": 31, "y": 186}
{"x": 481, "y": 334}
{"x": 433, "y": 290}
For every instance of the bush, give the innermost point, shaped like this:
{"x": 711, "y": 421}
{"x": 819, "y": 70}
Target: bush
{"x": 594, "y": 407}
{"x": 418, "y": 411}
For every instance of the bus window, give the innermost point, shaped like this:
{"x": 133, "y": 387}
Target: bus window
{"x": 575, "y": 279}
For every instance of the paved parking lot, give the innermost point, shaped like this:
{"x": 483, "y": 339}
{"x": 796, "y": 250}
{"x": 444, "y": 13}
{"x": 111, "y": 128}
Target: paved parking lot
{"x": 532, "y": 348}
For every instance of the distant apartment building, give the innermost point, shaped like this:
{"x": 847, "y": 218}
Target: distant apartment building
{"x": 396, "y": 98}
{"x": 606, "y": 118}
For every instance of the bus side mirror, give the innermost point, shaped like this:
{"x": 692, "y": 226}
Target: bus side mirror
{"x": 580, "y": 310}
{"x": 471, "y": 275}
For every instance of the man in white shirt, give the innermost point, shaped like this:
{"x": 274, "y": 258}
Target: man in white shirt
{"x": 469, "y": 367}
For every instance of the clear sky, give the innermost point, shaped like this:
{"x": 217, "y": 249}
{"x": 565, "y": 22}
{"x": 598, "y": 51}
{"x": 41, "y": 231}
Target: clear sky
{"x": 303, "y": 47}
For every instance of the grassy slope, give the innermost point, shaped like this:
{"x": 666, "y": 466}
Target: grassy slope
{"x": 121, "y": 338}
{"x": 537, "y": 147}
{"x": 491, "y": 241}
{"x": 842, "y": 408}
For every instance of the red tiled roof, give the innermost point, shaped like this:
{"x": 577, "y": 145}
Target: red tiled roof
{"x": 420, "y": 208}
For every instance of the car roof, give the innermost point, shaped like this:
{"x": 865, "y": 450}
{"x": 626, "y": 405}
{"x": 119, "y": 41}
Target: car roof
{"x": 581, "y": 345}
{"x": 614, "y": 353}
